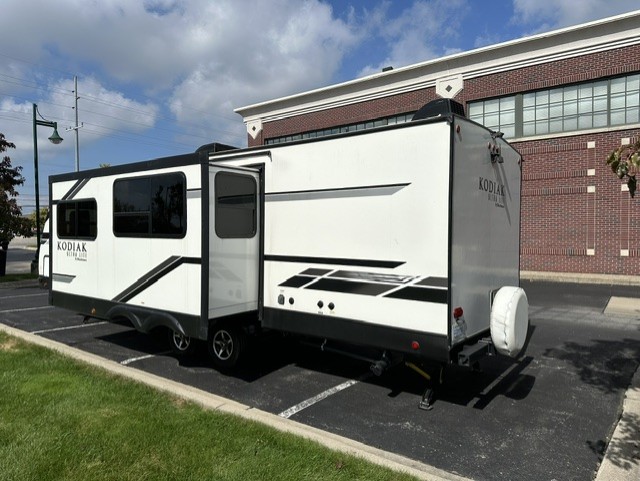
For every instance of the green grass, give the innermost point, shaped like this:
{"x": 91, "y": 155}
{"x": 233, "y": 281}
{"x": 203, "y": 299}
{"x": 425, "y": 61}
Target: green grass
{"x": 17, "y": 277}
{"x": 62, "y": 420}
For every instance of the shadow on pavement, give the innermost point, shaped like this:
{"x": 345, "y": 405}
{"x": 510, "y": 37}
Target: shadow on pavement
{"x": 608, "y": 366}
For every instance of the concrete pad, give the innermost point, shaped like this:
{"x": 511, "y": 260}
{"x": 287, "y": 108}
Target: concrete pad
{"x": 622, "y": 459}
{"x": 214, "y": 402}
{"x": 623, "y": 306}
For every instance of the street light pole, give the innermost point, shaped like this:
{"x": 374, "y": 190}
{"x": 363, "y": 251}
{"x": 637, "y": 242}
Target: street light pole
{"x": 54, "y": 139}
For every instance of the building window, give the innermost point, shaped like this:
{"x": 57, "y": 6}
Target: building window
{"x": 236, "y": 204}
{"x": 77, "y": 219}
{"x": 396, "y": 119}
{"x": 495, "y": 114}
{"x": 625, "y": 100}
{"x": 153, "y": 206}
{"x": 589, "y": 105}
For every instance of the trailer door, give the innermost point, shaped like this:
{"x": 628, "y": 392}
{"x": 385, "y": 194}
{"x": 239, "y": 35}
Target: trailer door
{"x": 234, "y": 240}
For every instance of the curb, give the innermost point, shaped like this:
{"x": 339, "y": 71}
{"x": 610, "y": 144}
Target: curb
{"x": 213, "y": 402}
{"x": 622, "y": 458}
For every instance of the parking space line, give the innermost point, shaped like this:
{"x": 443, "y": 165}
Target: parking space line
{"x": 126, "y": 362}
{"x": 319, "y": 397}
{"x": 65, "y": 328}
{"x": 23, "y": 309}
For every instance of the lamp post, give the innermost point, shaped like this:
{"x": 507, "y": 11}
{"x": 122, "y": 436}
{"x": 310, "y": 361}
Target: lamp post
{"x": 54, "y": 139}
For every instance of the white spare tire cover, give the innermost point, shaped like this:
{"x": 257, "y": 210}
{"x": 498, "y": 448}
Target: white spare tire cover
{"x": 509, "y": 320}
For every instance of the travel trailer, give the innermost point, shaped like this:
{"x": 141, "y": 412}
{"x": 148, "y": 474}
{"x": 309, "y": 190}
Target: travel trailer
{"x": 403, "y": 238}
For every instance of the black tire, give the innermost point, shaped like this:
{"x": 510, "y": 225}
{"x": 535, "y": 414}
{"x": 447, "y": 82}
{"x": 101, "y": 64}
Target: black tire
{"x": 180, "y": 344}
{"x": 226, "y": 345}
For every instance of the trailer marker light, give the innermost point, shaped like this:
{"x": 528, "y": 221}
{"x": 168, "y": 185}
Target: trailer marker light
{"x": 415, "y": 345}
{"x": 458, "y": 312}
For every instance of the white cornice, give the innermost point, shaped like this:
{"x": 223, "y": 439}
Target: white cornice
{"x": 598, "y": 36}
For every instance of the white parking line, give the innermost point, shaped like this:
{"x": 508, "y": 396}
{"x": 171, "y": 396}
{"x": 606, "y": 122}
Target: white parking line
{"x": 8, "y": 311}
{"x": 142, "y": 358}
{"x": 323, "y": 395}
{"x": 65, "y": 328}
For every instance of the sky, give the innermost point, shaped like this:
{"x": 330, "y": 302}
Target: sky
{"x": 162, "y": 77}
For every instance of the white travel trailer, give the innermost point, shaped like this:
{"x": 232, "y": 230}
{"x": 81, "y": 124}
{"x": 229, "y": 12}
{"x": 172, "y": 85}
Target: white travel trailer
{"x": 403, "y": 238}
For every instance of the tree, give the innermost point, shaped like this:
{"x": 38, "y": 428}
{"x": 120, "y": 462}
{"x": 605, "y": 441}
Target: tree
{"x": 12, "y": 223}
{"x": 44, "y": 215}
{"x": 624, "y": 162}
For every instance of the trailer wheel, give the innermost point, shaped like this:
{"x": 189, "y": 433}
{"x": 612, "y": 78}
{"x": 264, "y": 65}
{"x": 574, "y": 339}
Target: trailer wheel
{"x": 179, "y": 343}
{"x": 225, "y": 345}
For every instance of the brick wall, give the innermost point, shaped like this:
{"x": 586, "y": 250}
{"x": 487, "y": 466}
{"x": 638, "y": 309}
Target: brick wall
{"x": 575, "y": 215}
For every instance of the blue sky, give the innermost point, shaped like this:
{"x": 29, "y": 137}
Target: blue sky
{"x": 162, "y": 77}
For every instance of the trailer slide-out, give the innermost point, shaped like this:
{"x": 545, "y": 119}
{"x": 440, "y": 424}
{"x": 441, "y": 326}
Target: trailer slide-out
{"x": 403, "y": 239}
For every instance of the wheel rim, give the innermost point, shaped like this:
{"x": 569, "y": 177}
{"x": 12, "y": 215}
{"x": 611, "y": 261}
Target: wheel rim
{"x": 180, "y": 341}
{"x": 223, "y": 345}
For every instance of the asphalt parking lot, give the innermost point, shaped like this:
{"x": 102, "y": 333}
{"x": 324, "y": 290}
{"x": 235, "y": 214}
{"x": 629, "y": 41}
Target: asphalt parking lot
{"x": 546, "y": 415}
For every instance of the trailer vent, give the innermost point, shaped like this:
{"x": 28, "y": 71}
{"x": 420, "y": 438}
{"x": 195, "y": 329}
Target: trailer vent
{"x": 437, "y": 108}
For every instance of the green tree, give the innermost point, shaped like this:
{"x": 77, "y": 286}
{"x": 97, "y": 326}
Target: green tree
{"x": 624, "y": 162}
{"x": 44, "y": 215}
{"x": 12, "y": 223}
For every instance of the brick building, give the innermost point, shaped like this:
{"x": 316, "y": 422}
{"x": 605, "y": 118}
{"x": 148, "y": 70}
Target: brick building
{"x": 564, "y": 99}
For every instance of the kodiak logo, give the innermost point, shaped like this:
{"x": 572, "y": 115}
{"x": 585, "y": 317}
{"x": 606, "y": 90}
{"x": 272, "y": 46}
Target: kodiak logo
{"x": 75, "y": 249}
{"x": 494, "y": 190}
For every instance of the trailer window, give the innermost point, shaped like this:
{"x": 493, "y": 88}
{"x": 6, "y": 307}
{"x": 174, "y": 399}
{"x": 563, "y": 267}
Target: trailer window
{"x": 236, "y": 205}
{"x": 153, "y": 206}
{"x": 77, "y": 219}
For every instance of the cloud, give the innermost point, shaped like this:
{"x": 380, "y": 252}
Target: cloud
{"x": 103, "y": 112}
{"x": 417, "y": 33}
{"x": 199, "y": 59}
{"x": 561, "y": 13}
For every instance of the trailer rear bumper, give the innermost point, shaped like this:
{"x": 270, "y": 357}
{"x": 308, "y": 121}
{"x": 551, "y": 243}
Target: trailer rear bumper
{"x": 422, "y": 345}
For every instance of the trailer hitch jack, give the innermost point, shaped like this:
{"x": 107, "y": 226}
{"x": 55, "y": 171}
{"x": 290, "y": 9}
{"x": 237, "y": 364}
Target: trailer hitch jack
{"x": 426, "y": 402}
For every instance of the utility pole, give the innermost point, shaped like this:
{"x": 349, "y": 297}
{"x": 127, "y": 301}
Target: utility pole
{"x": 77, "y": 126}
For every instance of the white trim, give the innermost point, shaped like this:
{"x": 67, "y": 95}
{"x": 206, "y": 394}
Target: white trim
{"x": 591, "y": 172}
{"x": 602, "y": 35}
{"x": 591, "y": 189}
{"x": 591, "y": 252}
{"x": 624, "y": 252}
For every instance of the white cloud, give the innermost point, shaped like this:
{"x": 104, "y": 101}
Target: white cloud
{"x": 561, "y": 13}
{"x": 418, "y": 33}
{"x": 203, "y": 58}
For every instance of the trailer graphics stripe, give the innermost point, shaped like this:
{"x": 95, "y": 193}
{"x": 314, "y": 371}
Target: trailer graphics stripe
{"x": 334, "y": 260}
{"x": 342, "y": 192}
{"x": 75, "y": 189}
{"x": 154, "y": 275}
{"x": 415, "y": 288}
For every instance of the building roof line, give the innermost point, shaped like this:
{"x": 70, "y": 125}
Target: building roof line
{"x": 596, "y": 36}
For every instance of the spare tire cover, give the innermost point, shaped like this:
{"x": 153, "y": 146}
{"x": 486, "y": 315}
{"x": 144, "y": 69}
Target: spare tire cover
{"x": 509, "y": 320}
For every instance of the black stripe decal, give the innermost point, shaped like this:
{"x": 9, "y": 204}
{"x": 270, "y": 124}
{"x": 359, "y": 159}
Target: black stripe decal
{"x": 349, "y": 287}
{"x": 422, "y": 294}
{"x": 357, "y": 191}
{"x": 434, "y": 282}
{"x": 296, "y": 281}
{"x": 335, "y": 260}
{"x": 154, "y": 275}
{"x": 75, "y": 189}
{"x": 373, "y": 277}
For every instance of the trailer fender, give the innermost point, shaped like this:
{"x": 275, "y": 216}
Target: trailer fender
{"x": 509, "y": 320}
{"x": 146, "y": 321}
